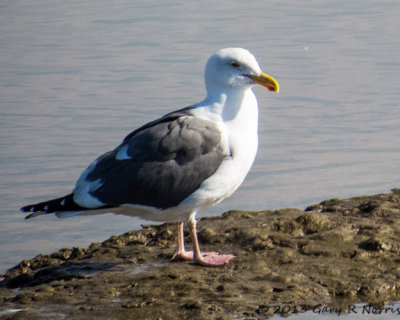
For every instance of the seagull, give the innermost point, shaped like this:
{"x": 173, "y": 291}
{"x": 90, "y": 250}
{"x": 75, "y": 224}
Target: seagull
{"x": 182, "y": 163}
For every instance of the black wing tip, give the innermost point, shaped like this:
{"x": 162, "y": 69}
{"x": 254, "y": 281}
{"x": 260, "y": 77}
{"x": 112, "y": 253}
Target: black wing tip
{"x": 33, "y": 210}
{"x": 27, "y": 208}
{"x": 61, "y": 204}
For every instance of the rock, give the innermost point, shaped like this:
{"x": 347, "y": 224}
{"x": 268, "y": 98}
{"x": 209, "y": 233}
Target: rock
{"x": 336, "y": 253}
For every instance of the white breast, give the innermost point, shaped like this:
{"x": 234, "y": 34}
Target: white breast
{"x": 239, "y": 127}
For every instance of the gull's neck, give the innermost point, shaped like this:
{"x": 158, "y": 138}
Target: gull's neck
{"x": 227, "y": 104}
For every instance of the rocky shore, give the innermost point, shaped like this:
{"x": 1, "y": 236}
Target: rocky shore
{"x": 335, "y": 254}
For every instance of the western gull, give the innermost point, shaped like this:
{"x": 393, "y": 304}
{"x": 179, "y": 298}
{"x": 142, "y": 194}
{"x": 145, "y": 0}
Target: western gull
{"x": 186, "y": 161}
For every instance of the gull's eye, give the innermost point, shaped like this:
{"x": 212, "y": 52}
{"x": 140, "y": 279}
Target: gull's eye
{"x": 235, "y": 64}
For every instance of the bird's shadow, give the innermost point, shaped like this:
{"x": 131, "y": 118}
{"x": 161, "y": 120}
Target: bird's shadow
{"x": 65, "y": 271}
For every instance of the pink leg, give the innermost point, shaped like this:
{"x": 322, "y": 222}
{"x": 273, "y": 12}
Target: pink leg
{"x": 181, "y": 254}
{"x": 208, "y": 259}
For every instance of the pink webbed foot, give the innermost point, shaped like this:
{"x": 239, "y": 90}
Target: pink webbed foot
{"x": 183, "y": 256}
{"x": 207, "y": 259}
{"x": 213, "y": 259}
{"x": 188, "y": 255}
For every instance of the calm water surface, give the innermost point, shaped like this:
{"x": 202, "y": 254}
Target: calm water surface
{"x": 77, "y": 76}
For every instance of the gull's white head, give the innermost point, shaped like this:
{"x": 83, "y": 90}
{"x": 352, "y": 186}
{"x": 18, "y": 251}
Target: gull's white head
{"x": 236, "y": 68}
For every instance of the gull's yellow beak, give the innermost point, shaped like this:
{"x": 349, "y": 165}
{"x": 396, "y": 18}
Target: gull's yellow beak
{"x": 266, "y": 81}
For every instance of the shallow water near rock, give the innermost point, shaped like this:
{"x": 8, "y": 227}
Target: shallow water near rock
{"x": 337, "y": 253}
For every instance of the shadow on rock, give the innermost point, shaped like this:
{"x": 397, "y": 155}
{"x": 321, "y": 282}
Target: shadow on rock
{"x": 65, "y": 271}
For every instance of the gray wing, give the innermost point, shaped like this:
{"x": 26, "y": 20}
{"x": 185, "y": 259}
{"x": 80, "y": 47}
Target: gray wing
{"x": 159, "y": 164}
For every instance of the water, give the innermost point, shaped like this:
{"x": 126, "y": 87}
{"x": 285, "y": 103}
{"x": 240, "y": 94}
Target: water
{"x": 77, "y": 76}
